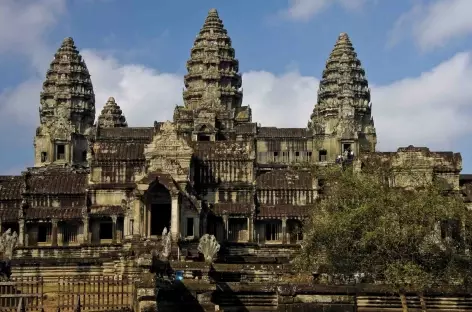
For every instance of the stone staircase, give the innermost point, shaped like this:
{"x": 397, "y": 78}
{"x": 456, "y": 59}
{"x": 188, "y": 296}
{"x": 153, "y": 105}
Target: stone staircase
{"x": 433, "y": 304}
{"x": 245, "y": 301}
{"x": 255, "y": 253}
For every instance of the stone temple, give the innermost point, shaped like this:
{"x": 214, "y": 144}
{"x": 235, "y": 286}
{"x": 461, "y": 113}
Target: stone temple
{"x": 98, "y": 182}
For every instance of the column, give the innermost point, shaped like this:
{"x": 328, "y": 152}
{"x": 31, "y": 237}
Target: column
{"x": 21, "y": 234}
{"x": 95, "y": 231}
{"x": 113, "y": 229}
{"x": 464, "y": 236}
{"x": 138, "y": 217}
{"x": 85, "y": 222}
{"x": 196, "y": 227}
{"x": 226, "y": 228}
{"x": 175, "y": 218}
{"x": 148, "y": 220}
{"x": 126, "y": 225}
{"x": 1, "y": 228}
{"x": 250, "y": 228}
{"x": 54, "y": 233}
{"x": 203, "y": 223}
{"x": 437, "y": 231}
{"x": 284, "y": 230}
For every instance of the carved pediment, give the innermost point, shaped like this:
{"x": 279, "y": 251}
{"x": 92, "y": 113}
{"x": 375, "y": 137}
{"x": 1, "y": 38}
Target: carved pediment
{"x": 205, "y": 120}
{"x": 169, "y": 153}
{"x": 346, "y": 129}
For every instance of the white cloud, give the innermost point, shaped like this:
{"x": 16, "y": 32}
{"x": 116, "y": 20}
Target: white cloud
{"x": 435, "y": 24}
{"x": 23, "y": 25}
{"x": 144, "y": 94}
{"x": 304, "y": 10}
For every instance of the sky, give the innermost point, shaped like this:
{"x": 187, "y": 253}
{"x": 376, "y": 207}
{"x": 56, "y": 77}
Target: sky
{"x": 417, "y": 56}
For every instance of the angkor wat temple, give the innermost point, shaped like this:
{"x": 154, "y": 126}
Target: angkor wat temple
{"x": 103, "y": 190}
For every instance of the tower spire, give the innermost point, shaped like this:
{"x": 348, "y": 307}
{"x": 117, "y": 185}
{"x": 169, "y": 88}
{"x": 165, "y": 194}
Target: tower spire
{"x": 111, "y": 115}
{"x": 212, "y": 95}
{"x": 344, "y": 96}
{"x": 343, "y": 77}
{"x": 213, "y": 78}
{"x": 67, "y": 109}
{"x": 67, "y": 90}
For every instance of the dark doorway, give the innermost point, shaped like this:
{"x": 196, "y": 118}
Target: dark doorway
{"x": 160, "y": 218}
{"x": 203, "y": 137}
{"x": 346, "y": 147}
{"x": 323, "y": 155}
{"x": 106, "y": 229}
{"x": 160, "y": 203}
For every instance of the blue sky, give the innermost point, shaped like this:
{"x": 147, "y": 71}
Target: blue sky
{"x": 417, "y": 55}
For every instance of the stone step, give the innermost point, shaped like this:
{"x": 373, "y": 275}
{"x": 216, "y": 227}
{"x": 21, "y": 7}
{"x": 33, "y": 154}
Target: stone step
{"x": 393, "y": 303}
{"x": 239, "y": 299}
{"x": 248, "y": 309}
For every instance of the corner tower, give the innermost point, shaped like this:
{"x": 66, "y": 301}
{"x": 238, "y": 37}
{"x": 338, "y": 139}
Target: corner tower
{"x": 67, "y": 110}
{"x": 212, "y": 95}
{"x": 111, "y": 115}
{"x": 342, "y": 119}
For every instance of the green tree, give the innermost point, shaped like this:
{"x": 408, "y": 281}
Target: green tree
{"x": 363, "y": 225}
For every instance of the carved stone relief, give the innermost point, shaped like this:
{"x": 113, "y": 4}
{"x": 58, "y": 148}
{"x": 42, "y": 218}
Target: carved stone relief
{"x": 169, "y": 153}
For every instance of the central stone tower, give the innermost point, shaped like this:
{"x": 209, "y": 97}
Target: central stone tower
{"x": 342, "y": 120}
{"x": 212, "y": 95}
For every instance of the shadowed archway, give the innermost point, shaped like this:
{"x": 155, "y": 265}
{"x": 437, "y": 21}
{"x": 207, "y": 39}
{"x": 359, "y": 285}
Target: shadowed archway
{"x": 159, "y": 201}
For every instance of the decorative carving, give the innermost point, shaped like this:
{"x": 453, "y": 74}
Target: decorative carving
{"x": 168, "y": 153}
{"x": 166, "y": 245}
{"x": 209, "y": 247}
{"x": 8, "y": 241}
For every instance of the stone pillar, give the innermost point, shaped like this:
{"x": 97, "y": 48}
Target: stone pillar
{"x": 85, "y": 222}
{"x": 95, "y": 231}
{"x": 126, "y": 225}
{"x": 203, "y": 223}
{"x": 138, "y": 217}
{"x": 1, "y": 227}
{"x": 21, "y": 234}
{"x": 284, "y": 230}
{"x": 226, "y": 227}
{"x": 464, "y": 236}
{"x": 148, "y": 220}
{"x": 250, "y": 228}
{"x": 114, "y": 229}
{"x": 54, "y": 233}
{"x": 196, "y": 227}
{"x": 175, "y": 218}
{"x": 437, "y": 231}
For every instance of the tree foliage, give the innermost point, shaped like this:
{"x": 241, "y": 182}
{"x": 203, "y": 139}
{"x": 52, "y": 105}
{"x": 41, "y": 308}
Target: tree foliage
{"x": 363, "y": 225}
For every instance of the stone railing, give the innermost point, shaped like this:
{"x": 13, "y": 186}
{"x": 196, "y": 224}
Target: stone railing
{"x": 44, "y": 253}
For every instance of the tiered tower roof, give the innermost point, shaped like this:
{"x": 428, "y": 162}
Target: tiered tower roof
{"x": 213, "y": 78}
{"x": 111, "y": 115}
{"x": 67, "y": 90}
{"x": 343, "y": 78}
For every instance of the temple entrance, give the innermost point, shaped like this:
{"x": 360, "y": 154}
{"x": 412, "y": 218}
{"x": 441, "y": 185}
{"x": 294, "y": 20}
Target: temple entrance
{"x": 160, "y": 218}
{"x": 160, "y": 207}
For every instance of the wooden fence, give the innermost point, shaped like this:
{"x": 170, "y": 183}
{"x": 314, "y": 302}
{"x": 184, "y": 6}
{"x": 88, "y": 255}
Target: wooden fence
{"x": 30, "y": 289}
{"x": 100, "y": 293}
